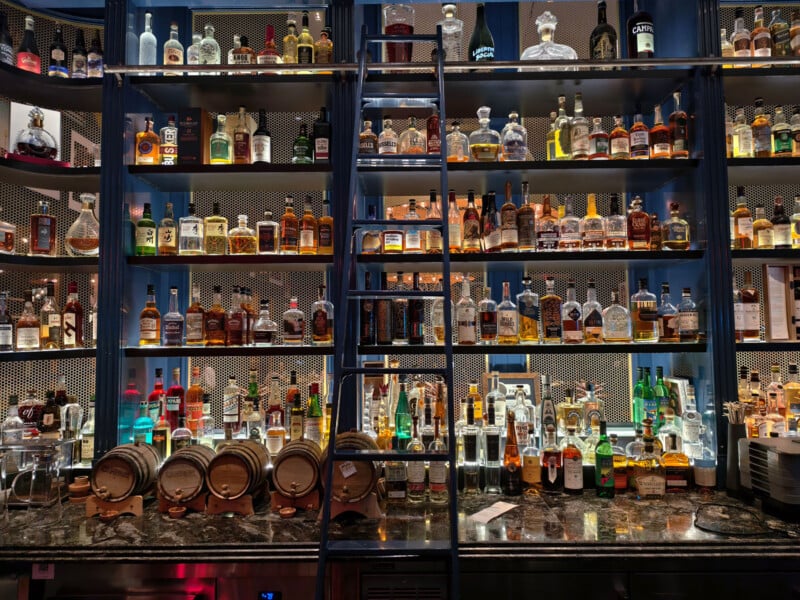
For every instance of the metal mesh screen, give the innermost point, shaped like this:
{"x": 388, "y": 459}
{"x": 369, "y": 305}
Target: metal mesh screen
{"x": 16, "y": 205}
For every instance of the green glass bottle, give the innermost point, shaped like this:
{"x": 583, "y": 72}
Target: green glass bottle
{"x": 301, "y": 149}
{"x": 649, "y": 406}
{"x": 402, "y": 419}
{"x": 220, "y": 144}
{"x": 637, "y": 398}
{"x": 661, "y": 399}
{"x": 604, "y": 465}
{"x": 146, "y": 233}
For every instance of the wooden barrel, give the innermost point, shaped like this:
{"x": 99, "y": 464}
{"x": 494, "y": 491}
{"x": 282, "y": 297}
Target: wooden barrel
{"x": 295, "y": 471}
{"x": 238, "y": 469}
{"x": 353, "y": 480}
{"x": 126, "y": 470}
{"x": 182, "y": 477}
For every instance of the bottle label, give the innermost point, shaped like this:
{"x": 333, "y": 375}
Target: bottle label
{"x": 676, "y": 477}
{"x": 6, "y": 54}
{"x": 173, "y": 403}
{"x": 306, "y": 238}
{"x": 219, "y": 149}
{"x": 321, "y": 148}
{"x": 194, "y": 327}
{"x": 531, "y": 470}
{"x": 762, "y": 139}
{"x": 79, "y": 66}
{"x": 289, "y": 236}
{"x": 471, "y": 233}
{"x": 28, "y": 61}
{"x": 28, "y": 338}
{"x": 604, "y": 48}
{"x": 267, "y": 59}
{"x": 148, "y": 329}
{"x": 416, "y": 476}
{"x": 167, "y": 236}
{"x": 413, "y": 241}
{"x": 266, "y": 239}
{"x": 305, "y": 55}
{"x": 661, "y": 148}
{"x": 551, "y": 319}
{"x": 650, "y": 485}
{"x": 437, "y": 476}
{"x": 48, "y": 419}
{"x": 262, "y": 148}
{"x": 146, "y": 237}
{"x": 70, "y": 329}
{"x": 173, "y": 332}
{"x": 393, "y": 241}
{"x": 579, "y": 136}
{"x": 319, "y": 323}
{"x": 230, "y": 408}
{"x": 521, "y": 429}
{"x": 782, "y": 141}
{"x": 87, "y": 447}
{"x": 482, "y": 53}
{"x": 598, "y": 145}
{"x": 243, "y": 58}
{"x": 434, "y": 143}
{"x": 44, "y": 229}
{"x": 94, "y": 65}
{"x": 573, "y": 473}
{"x": 604, "y": 471}
{"x": 6, "y": 335}
{"x": 293, "y": 328}
{"x": 688, "y": 322}
{"x": 466, "y": 325}
{"x": 644, "y": 34}
{"x": 744, "y": 225}
{"x": 738, "y": 316}
{"x": 488, "y": 325}
{"x": 507, "y": 322}
{"x": 191, "y": 230}
{"x": 752, "y": 316}
{"x": 762, "y": 45}
{"x": 640, "y": 141}
{"x": 782, "y": 234}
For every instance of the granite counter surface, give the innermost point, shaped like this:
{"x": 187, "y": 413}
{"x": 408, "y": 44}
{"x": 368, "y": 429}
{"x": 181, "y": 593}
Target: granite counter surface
{"x": 540, "y": 526}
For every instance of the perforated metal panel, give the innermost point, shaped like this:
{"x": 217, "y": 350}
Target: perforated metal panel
{"x": 16, "y": 205}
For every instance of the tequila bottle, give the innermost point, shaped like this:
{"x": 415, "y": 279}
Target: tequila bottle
{"x": 190, "y": 233}
{"x": 485, "y": 144}
{"x": 193, "y": 52}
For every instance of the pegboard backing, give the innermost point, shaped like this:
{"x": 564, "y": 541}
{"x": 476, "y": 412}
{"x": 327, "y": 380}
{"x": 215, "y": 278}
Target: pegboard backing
{"x": 761, "y": 362}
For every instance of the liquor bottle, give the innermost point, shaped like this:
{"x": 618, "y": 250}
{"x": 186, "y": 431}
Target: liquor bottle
{"x": 619, "y": 141}
{"x": 668, "y": 319}
{"x": 743, "y": 143}
{"x": 781, "y": 135}
{"x": 598, "y": 141}
{"x": 128, "y": 231}
{"x": 605, "y": 472}
{"x": 487, "y": 310}
{"x": 173, "y": 50}
{"x": 276, "y": 434}
{"x": 128, "y": 406}
{"x": 781, "y": 35}
{"x": 678, "y": 130}
{"x": 6, "y": 43}
{"x": 438, "y": 316}
{"x": 86, "y": 434}
{"x": 660, "y": 146}
{"x": 49, "y": 321}
{"x": 762, "y": 131}
{"x": 322, "y": 137}
{"x": 481, "y": 44}
{"x": 528, "y": 307}
{"x": 675, "y": 231}
{"x": 58, "y": 66}
{"x": 214, "y": 320}
{"x": 763, "y": 233}
{"x": 215, "y": 230}
{"x": 168, "y": 147}
{"x": 402, "y": 419}
{"x": 143, "y": 425}
{"x": 795, "y": 223}
{"x": 433, "y": 237}
{"x": 639, "y": 136}
{"x": 173, "y": 321}
{"x": 469, "y": 440}
{"x": 514, "y": 138}
{"x": 592, "y": 313}
{"x": 296, "y": 419}
{"x": 194, "y": 401}
{"x": 452, "y": 34}
{"x": 221, "y": 144}
{"x": 305, "y": 43}
{"x": 507, "y": 319}
{"x": 148, "y": 145}
{"x": 742, "y": 222}
{"x": 592, "y": 226}
{"x": 290, "y": 43}
{"x": 323, "y": 49}
{"x": 367, "y": 140}
{"x": 641, "y": 33}
{"x": 302, "y": 152}
{"x": 781, "y": 226}
{"x": 162, "y": 433}
{"x": 242, "y": 239}
{"x": 367, "y": 316}
{"x": 72, "y": 319}
{"x": 167, "y": 233}
{"x": 289, "y": 228}
{"x": 416, "y": 315}
{"x": 400, "y": 318}
{"x": 294, "y": 324}
{"x": 616, "y": 227}
{"x": 322, "y": 320}
{"x": 760, "y": 37}
{"x": 415, "y": 468}
{"x": 514, "y": 471}
{"x": 491, "y": 239}
{"x": 209, "y": 49}
{"x": 392, "y": 240}
{"x": 146, "y": 233}
{"x": 235, "y": 320}
{"x": 688, "y": 320}
{"x": 156, "y": 399}
{"x": 550, "y": 306}
{"x": 579, "y": 131}
{"x": 552, "y": 477}
{"x": 603, "y": 41}
{"x": 147, "y": 42}
{"x": 572, "y": 461}
{"x": 571, "y": 317}
{"x": 616, "y": 322}
{"x": 313, "y": 422}
{"x": 387, "y": 140}
{"x": 433, "y": 138}
{"x": 454, "y": 229}
{"x": 485, "y": 144}
{"x": 28, "y": 58}
{"x": 457, "y": 144}
{"x": 795, "y": 121}
{"x": 509, "y": 228}
{"x": 241, "y": 140}
{"x": 231, "y": 409}
{"x": 738, "y": 312}
{"x": 526, "y": 223}
{"x": 547, "y": 228}
{"x": 466, "y": 316}
{"x": 384, "y": 328}
{"x": 43, "y": 231}
{"x": 752, "y": 315}
{"x": 638, "y": 226}
{"x": 676, "y": 467}
{"x": 190, "y": 233}
{"x": 268, "y": 236}
{"x": 243, "y": 54}
{"x": 181, "y": 436}
{"x": 644, "y": 315}
{"x": 193, "y": 52}
{"x": 471, "y": 227}
{"x": 491, "y": 445}
{"x": 28, "y": 325}
{"x": 261, "y": 151}
{"x": 412, "y": 237}
{"x": 740, "y": 38}
{"x": 569, "y": 227}
{"x": 412, "y": 140}
{"x": 150, "y": 320}
{"x": 6, "y": 325}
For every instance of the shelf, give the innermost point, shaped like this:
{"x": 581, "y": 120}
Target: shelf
{"x": 536, "y": 93}
{"x": 768, "y": 346}
{"x": 261, "y": 262}
{"x": 540, "y": 349}
{"x": 46, "y": 264}
{"x": 262, "y": 177}
{"x": 84, "y": 95}
{"x": 223, "y": 93}
{"x": 179, "y": 351}
{"x": 468, "y": 263}
{"x": 777, "y": 85}
{"x": 780, "y": 257}
{"x": 764, "y": 171}
{"x": 32, "y": 355}
{"x": 68, "y": 179}
{"x": 543, "y": 176}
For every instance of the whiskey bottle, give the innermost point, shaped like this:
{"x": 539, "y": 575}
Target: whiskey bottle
{"x": 413, "y": 236}
{"x": 173, "y": 321}
{"x": 598, "y": 141}
{"x": 509, "y": 229}
{"x": 675, "y": 230}
{"x": 667, "y": 317}
{"x": 507, "y": 319}
{"x": 660, "y": 146}
{"x": 571, "y": 317}
{"x": 678, "y": 130}
{"x": 781, "y": 225}
{"x": 569, "y": 227}
{"x": 6, "y": 325}
{"x": 433, "y": 139}
{"x": 321, "y": 131}
{"x": 644, "y": 315}
{"x": 526, "y": 223}
{"x": 616, "y": 227}
{"x": 487, "y": 310}
{"x": 269, "y": 55}
{"x": 322, "y": 320}
{"x": 267, "y": 232}
{"x": 367, "y": 140}
{"x": 167, "y": 233}
{"x": 43, "y": 231}
{"x": 592, "y": 226}
{"x": 400, "y": 317}
{"x": 173, "y": 50}
{"x": 242, "y": 239}
{"x": 471, "y": 228}
{"x": 639, "y": 139}
{"x": 550, "y": 305}
{"x": 688, "y": 320}
{"x": 50, "y": 321}
{"x": 466, "y": 316}
{"x": 214, "y": 320}
{"x": 235, "y": 321}
{"x": 289, "y": 228}
{"x": 387, "y": 140}
{"x": 638, "y": 226}
{"x": 454, "y": 230}
{"x": 367, "y": 316}
{"x": 547, "y": 228}
{"x": 265, "y": 330}
{"x": 231, "y": 409}
{"x": 416, "y": 315}
{"x": 616, "y": 322}
{"x": 619, "y": 141}
{"x": 592, "y": 314}
{"x": 148, "y": 145}
{"x": 241, "y": 140}
{"x": 579, "y": 131}
{"x": 146, "y": 239}
{"x": 215, "y": 229}
{"x": 528, "y": 306}
{"x": 28, "y": 325}
{"x": 294, "y": 324}
{"x": 190, "y": 234}
{"x": 221, "y": 144}
{"x": 384, "y": 328}
{"x": 72, "y": 319}
{"x": 150, "y": 320}
{"x": 762, "y": 131}
{"x": 552, "y": 477}
{"x": 763, "y": 234}
{"x": 325, "y": 229}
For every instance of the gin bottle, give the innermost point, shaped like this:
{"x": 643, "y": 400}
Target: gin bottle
{"x": 143, "y": 425}
{"x": 193, "y": 52}
{"x": 190, "y": 233}
{"x": 147, "y": 42}
{"x": 221, "y": 144}
{"x": 209, "y": 49}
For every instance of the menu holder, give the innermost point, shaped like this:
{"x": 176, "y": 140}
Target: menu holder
{"x": 778, "y": 298}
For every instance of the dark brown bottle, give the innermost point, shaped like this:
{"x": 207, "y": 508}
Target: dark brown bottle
{"x": 641, "y": 33}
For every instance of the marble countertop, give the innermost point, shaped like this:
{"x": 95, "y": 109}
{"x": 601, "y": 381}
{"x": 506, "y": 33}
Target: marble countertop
{"x": 541, "y": 524}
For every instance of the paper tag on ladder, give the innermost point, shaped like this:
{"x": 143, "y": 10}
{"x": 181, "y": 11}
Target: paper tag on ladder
{"x": 347, "y": 468}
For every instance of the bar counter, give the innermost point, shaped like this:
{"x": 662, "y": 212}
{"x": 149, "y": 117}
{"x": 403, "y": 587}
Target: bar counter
{"x": 542, "y": 525}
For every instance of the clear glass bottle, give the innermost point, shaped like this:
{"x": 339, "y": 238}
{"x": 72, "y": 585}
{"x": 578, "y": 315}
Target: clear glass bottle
{"x": 485, "y": 144}
{"x": 616, "y": 322}
{"x": 221, "y": 144}
{"x": 743, "y": 142}
{"x": 592, "y": 314}
{"x": 528, "y": 306}
{"x": 471, "y": 227}
{"x": 598, "y": 141}
{"x": 507, "y": 319}
{"x": 466, "y": 316}
{"x": 457, "y": 144}
{"x": 28, "y": 326}
{"x": 616, "y": 227}
{"x": 49, "y": 321}
{"x": 242, "y": 239}
{"x": 412, "y": 140}
{"x": 592, "y": 226}
{"x": 579, "y": 131}
{"x": 209, "y": 49}
{"x": 193, "y": 52}
{"x": 551, "y": 304}
{"x": 644, "y": 315}
{"x": 83, "y": 236}
{"x": 470, "y": 436}
{"x": 438, "y": 317}
{"x": 551, "y": 462}
{"x": 514, "y": 137}
{"x": 190, "y": 234}
{"x": 215, "y": 229}
{"x": 452, "y": 34}
{"x": 173, "y": 50}
{"x": 147, "y": 42}
{"x": 547, "y": 49}
{"x": 294, "y": 324}
{"x": 367, "y": 140}
{"x": 172, "y": 321}
{"x": 762, "y": 131}
{"x": 35, "y": 141}
{"x": 667, "y": 317}
{"x": 412, "y": 236}
{"x": 688, "y": 319}
{"x": 181, "y": 436}
{"x": 763, "y": 232}
{"x": 675, "y": 230}
{"x": 569, "y": 227}
{"x": 416, "y": 468}
{"x": 387, "y": 140}
{"x": 571, "y": 317}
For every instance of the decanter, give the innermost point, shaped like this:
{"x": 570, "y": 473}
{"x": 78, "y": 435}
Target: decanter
{"x": 547, "y": 49}
{"x": 484, "y": 143}
{"x": 515, "y": 138}
{"x": 83, "y": 236}
{"x": 457, "y": 145}
{"x": 36, "y": 141}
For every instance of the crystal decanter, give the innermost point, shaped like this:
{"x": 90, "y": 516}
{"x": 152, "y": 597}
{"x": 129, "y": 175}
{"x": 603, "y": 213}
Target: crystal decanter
{"x": 547, "y": 49}
{"x": 35, "y": 141}
{"x": 83, "y": 236}
{"x": 484, "y": 143}
{"x": 515, "y": 138}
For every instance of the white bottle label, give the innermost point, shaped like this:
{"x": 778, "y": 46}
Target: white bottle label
{"x": 466, "y": 326}
{"x": 148, "y": 329}
{"x": 738, "y": 317}
{"x": 230, "y": 408}
{"x": 688, "y": 321}
{"x": 507, "y": 323}
{"x": 413, "y": 241}
{"x": 28, "y": 338}
{"x": 6, "y": 334}
{"x": 752, "y": 316}
{"x": 639, "y": 138}
{"x": 573, "y": 474}
{"x": 661, "y": 148}
{"x": 306, "y": 238}
{"x": 194, "y": 327}
{"x": 146, "y": 237}
{"x": 745, "y": 225}
{"x": 620, "y": 145}
{"x": 262, "y": 148}
{"x": 416, "y": 472}
{"x": 87, "y": 447}
{"x": 782, "y": 234}
{"x": 191, "y": 230}
{"x": 69, "y": 330}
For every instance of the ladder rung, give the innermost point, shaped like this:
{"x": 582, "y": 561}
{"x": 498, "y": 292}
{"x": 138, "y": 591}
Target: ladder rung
{"x": 390, "y": 371}
{"x": 383, "y": 37}
{"x": 398, "y": 222}
{"x": 393, "y": 294}
{"x": 388, "y": 455}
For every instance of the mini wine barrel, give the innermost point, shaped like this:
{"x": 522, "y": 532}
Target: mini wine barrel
{"x": 126, "y": 470}
{"x": 295, "y": 471}
{"x": 182, "y": 477}
{"x": 352, "y": 480}
{"x": 237, "y": 470}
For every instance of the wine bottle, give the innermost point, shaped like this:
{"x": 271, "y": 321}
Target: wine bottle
{"x": 481, "y": 44}
{"x": 28, "y": 58}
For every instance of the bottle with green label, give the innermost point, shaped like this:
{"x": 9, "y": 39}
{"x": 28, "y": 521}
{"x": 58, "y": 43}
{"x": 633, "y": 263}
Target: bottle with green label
{"x": 146, "y": 233}
{"x": 604, "y": 465}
